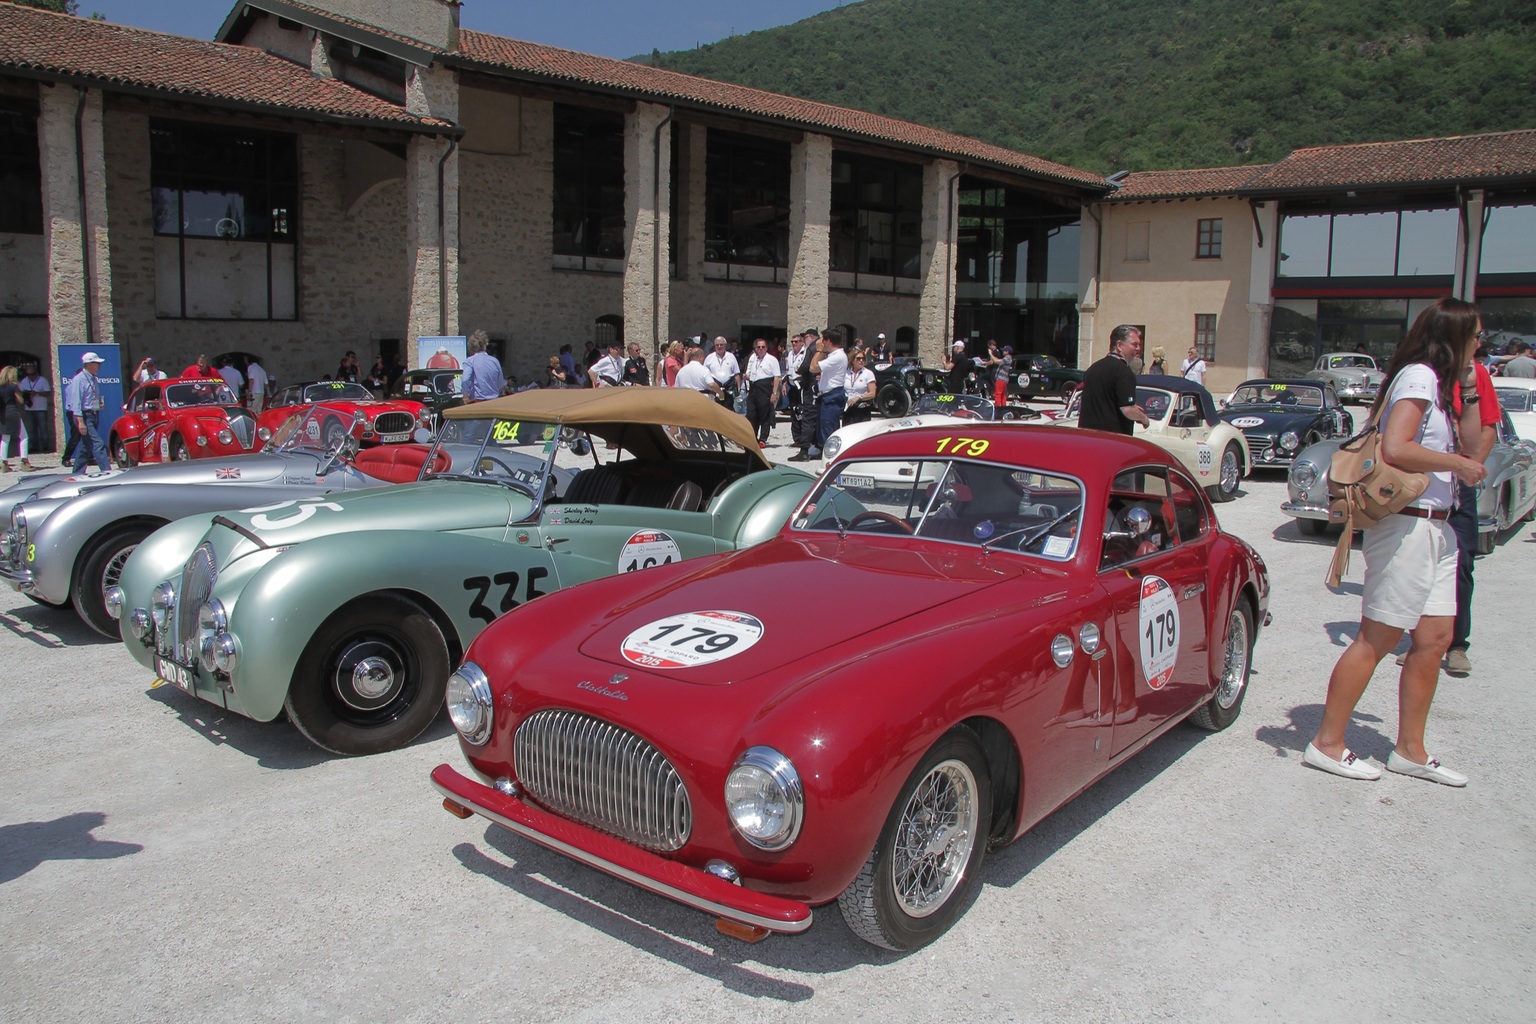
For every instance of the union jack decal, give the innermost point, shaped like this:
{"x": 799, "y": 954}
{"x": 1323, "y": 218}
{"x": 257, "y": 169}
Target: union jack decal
{"x": 226, "y": 474}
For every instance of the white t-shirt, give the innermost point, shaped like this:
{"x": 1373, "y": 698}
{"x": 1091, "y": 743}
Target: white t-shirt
{"x": 611, "y": 367}
{"x": 765, "y": 368}
{"x": 694, "y": 377}
{"x": 258, "y": 379}
{"x": 858, "y": 383}
{"x": 1417, "y": 380}
{"x": 833, "y": 370}
{"x": 232, "y": 377}
{"x": 722, "y": 366}
{"x": 1194, "y": 369}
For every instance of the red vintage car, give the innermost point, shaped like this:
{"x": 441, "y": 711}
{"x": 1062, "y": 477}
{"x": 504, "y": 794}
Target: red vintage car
{"x": 384, "y": 421}
{"x": 860, "y": 708}
{"x": 183, "y": 418}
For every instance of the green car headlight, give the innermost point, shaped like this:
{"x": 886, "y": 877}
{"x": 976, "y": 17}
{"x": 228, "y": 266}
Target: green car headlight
{"x": 469, "y": 703}
{"x": 764, "y": 798}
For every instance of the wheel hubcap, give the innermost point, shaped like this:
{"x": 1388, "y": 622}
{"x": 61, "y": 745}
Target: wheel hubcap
{"x": 369, "y": 675}
{"x": 1234, "y": 675}
{"x": 112, "y": 575}
{"x": 1229, "y": 470}
{"x": 934, "y": 839}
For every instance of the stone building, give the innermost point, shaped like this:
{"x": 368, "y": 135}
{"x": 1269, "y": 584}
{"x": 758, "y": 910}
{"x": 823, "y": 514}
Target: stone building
{"x": 342, "y": 174}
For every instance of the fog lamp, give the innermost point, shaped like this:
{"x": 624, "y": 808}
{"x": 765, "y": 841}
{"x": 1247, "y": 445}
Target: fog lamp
{"x": 112, "y": 598}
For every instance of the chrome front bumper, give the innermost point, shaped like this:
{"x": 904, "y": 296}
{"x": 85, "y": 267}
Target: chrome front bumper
{"x": 1304, "y": 510}
{"x": 19, "y": 578}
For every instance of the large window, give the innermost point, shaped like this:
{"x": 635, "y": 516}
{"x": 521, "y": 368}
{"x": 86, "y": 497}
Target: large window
{"x": 21, "y": 181}
{"x": 589, "y": 188}
{"x": 1509, "y": 240}
{"x": 1205, "y": 335}
{"x": 1390, "y": 243}
{"x": 1208, "y": 239}
{"x": 225, "y": 207}
{"x": 877, "y": 218}
{"x": 746, "y": 206}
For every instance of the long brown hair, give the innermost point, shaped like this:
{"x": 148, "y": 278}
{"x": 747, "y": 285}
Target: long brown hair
{"x": 1439, "y": 336}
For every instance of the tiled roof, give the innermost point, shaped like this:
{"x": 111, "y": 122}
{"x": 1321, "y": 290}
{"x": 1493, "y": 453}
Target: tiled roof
{"x": 553, "y": 64}
{"x": 1186, "y": 184}
{"x": 94, "y": 52}
{"x": 1462, "y": 158}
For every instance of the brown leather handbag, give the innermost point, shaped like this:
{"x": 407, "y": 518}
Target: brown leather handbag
{"x": 1364, "y": 489}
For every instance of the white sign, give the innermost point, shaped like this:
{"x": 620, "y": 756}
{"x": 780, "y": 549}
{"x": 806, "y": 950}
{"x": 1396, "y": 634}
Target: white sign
{"x": 646, "y": 549}
{"x": 1159, "y": 635}
{"x": 1244, "y": 422}
{"x": 692, "y": 639}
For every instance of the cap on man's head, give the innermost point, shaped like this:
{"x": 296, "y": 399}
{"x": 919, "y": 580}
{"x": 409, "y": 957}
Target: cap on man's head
{"x": 879, "y": 337}
{"x": 91, "y": 357}
{"x": 1008, "y": 349}
{"x": 959, "y": 343}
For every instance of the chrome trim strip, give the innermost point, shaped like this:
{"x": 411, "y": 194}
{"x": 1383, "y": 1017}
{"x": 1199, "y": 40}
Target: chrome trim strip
{"x": 625, "y": 874}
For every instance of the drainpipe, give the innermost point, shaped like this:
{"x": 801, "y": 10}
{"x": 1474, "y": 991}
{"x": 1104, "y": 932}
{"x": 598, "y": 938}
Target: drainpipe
{"x": 85, "y": 253}
{"x": 656, "y": 357}
{"x": 442, "y": 236}
{"x": 951, "y": 212}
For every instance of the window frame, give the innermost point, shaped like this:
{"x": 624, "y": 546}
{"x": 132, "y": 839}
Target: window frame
{"x": 587, "y": 145}
{"x": 1205, "y": 336}
{"x": 1208, "y": 238}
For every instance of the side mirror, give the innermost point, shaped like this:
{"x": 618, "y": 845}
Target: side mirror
{"x": 1136, "y": 522}
{"x": 580, "y": 447}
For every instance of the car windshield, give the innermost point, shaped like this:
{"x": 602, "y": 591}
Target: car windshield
{"x": 336, "y": 391}
{"x": 969, "y": 407}
{"x": 190, "y": 393}
{"x": 1347, "y": 362}
{"x": 1044, "y": 363}
{"x": 516, "y": 453}
{"x": 1270, "y": 393}
{"x": 978, "y": 504}
{"x": 308, "y": 429}
{"x": 1514, "y": 399}
{"x": 446, "y": 383}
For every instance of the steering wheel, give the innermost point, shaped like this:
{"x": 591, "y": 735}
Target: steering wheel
{"x": 491, "y": 466}
{"x": 342, "y": 448}
{"x": 884, "y": 517}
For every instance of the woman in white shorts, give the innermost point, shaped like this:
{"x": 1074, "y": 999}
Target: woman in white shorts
{"x": 1410, "y": 558}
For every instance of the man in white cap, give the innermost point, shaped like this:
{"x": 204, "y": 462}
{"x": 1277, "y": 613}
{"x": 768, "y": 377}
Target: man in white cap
{"x": 881, "y": 353}
{"x": 82, "y": 403}
{"x": 957, "y": 368}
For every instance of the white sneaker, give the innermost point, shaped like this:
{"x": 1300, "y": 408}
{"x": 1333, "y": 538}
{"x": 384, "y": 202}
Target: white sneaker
{"x": 1431, "y": 771}
{"x": 1349, "y": 766}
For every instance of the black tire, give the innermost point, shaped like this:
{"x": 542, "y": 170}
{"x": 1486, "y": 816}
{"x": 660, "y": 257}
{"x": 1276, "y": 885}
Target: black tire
{"x": 332, "y": 433}
{"x": 1237, "y": 659}
{"x": 1229, "y": 474}
{"x": 893, "y": 400}
{"x": 323, "y": 701}
{"x": 120, "y": 454}
{"x": 178, "y": 449}
{"x": 100, "y": 565}
{"x": 1065, "y": 392}
{"x": 1312, "y": 527}
{"x": 1486, "y": 542}
{"x": 953, "y": 775}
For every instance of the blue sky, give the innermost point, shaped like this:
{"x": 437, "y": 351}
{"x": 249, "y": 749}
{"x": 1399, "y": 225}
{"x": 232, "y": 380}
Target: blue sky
{"x": 612, "y": 28}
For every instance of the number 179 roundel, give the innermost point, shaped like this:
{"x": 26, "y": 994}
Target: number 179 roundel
{"x": 693, "y": 638}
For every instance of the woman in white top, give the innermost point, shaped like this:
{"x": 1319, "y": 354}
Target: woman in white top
{"x": 1410, "y": 558}
{"x": 859, "y": 385}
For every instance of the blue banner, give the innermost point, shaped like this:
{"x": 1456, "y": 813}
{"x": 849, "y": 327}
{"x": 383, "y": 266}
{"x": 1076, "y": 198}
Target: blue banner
{"x": 109, "y": 378}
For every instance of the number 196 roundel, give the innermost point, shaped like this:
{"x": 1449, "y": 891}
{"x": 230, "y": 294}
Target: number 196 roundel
{"x": 692, "y": 639}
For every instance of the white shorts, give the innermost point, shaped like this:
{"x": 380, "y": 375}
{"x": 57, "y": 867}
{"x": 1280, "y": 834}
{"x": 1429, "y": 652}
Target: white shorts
{"x": 1410, "y": 570}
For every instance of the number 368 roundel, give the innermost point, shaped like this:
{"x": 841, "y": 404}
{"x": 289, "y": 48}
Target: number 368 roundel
{"x": 833, "y": 716}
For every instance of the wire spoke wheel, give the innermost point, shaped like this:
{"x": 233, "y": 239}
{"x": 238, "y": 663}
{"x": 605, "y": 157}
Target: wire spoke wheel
{"x": 934, "y": 839}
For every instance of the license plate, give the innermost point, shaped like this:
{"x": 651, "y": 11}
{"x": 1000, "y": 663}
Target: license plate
{"x": 857, "y": 482}
{"x": 173, "y": 673}
{"x": 395, "y": 438}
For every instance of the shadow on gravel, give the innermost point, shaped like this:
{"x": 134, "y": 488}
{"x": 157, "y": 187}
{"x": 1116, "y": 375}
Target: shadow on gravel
{"x": 1363, "y": 735}
{"x": 26, "y": 845}
{"x": 275, "y": 744}
{"x": 51, "y": 627}
{"x": 649, "y": 922}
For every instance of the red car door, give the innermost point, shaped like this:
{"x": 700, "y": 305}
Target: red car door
{"x": 1157, "y": 590}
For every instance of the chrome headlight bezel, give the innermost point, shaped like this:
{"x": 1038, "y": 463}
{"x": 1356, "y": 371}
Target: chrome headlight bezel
{"x": 226, "y": 436}
{"x": 764, "y": 799}
{"x": 831, "y": 449}
{"x": 19, "y": 530}
{"x": 1303, "y": 475}
{"x": 470, "y": 706}
{"x": 161, "y": 605}
{"x": 112, "y": 600}
{"x": 264, "y": 434}
{"x": 1289, "y": 441}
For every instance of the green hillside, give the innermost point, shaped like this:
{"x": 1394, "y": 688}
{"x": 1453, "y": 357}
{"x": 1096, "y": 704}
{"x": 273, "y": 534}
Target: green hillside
{"x": 1147, "y": 84}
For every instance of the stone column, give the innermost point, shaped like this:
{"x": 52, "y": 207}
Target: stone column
{"x": 1469, "y": 247}
{"x": 1261, "y": 277}
{"x": 432, "y": 210}
{"x": 647, "y": 220}
{"x": 810, "y": 232}
{"x": 936, "y": 305}
{"x": 1090, "y": 237}
{"x": 75, "y": 238}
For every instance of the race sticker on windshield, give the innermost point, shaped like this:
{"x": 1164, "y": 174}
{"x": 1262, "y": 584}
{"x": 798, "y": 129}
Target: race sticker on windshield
{"x": 1244, "y": 422}
{"x": 1159, "y": 631}
{"x": 646, "y": 549}
{"x": 692, "y": 639}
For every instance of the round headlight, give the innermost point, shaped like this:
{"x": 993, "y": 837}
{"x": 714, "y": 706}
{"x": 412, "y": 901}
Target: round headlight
{"x": 1289, "y": 441}
{"x": 202, "y": 442}
{"x": 138, "y": 624}
{"x": 161, "y": 604}
{"x": 1303, "y": 475}
{"x": 469, "y": 703}
{"x": 211, "y": 617}
{"x": 112, "y": 598}
{"x": 19, "y": 529}
{"x": 264, "y": 433}
{"x": 224, "y": 652}
{"x": 831, "y": 448}
{"x": 226, "y": 436}
{"x": 764, "y": 798}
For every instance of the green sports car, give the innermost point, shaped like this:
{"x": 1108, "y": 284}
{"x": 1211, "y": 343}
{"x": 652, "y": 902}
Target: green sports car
{"x": 348, "y": 612}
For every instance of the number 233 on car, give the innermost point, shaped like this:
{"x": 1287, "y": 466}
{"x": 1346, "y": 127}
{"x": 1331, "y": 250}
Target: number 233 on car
{"x": 857, "y": 710}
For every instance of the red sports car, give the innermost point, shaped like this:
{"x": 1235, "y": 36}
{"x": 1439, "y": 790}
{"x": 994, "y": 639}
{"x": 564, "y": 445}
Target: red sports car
{"x": 385, "y": 421}
{"x": 859, "y": 709}
{"x": 184, "y": 418}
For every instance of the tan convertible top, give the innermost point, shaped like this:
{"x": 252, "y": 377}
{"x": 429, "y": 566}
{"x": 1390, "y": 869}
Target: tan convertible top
{"x": 612, "y": 413}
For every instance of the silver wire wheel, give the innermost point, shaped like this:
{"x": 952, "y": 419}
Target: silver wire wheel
{"x": 934, "y": 839}
{"x": 1229, "y": 473}
{"x": 1232, "y": 684}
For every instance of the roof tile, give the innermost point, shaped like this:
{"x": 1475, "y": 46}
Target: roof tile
{"x": 41, "y": 41}
{"x": 1464, "y": 158}
{"x": 1184, "y": 184}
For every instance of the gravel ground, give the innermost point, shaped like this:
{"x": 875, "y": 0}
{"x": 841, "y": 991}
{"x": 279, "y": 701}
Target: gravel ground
{"x": 163, "y": 861}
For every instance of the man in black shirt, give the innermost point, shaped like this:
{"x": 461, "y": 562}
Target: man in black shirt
{"x": 1109, "y": 386}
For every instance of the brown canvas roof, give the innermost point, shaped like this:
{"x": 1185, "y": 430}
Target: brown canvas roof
{"x": 606, "y": 412}
{"x": 1184, "y": 184}
{"x": 42, "y": 44}
{"x": 1471, "y": 159}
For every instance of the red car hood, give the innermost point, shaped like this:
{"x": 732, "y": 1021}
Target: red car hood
{"x": 769, "y": 606}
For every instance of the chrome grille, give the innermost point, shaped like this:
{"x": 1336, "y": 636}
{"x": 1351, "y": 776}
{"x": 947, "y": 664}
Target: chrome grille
{"x": 1257, "y": 443}
{"x": 243, "y": 426}
{"x": 393, "y": 422}
{"x": 197, "y": 580}
{"x": 603, "y": 776}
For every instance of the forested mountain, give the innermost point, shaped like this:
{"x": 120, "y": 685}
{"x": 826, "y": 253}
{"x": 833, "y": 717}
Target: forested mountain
{"x": 1143, "y": 84}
